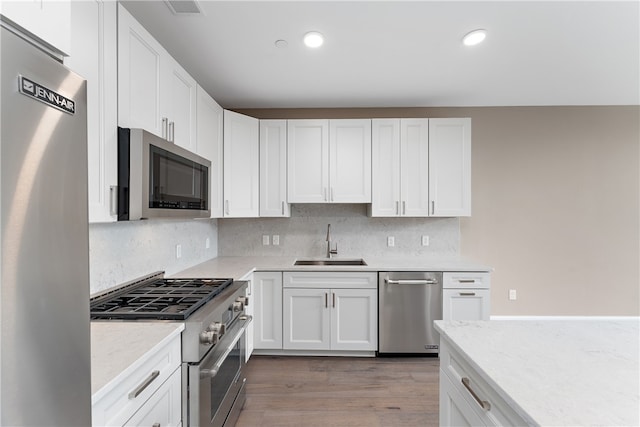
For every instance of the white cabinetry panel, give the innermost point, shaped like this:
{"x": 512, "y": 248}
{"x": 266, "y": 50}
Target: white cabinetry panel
{"x": 350, "y": 161}
{"x": 414, "y": 169}
{"x": 306, "y": 319}
{"x": 209, "y": 136}
{"x": 267, "y": 303}
{"x": 164, "y": 407}
{"x": 241, "y": 165}
{"x": 307, "y": 161}
{"x": 273, "y": 169}
{"x": 94, "y": 56}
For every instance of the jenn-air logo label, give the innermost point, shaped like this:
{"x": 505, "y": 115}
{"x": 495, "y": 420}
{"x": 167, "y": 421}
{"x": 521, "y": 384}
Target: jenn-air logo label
{"x": 46, "y": 95}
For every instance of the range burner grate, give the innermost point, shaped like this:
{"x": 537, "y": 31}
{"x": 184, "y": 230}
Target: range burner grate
{"x": 161, "y": 299}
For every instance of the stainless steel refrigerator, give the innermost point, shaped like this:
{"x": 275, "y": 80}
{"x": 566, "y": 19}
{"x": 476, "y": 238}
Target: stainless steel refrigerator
{"x": 45, "y": 357}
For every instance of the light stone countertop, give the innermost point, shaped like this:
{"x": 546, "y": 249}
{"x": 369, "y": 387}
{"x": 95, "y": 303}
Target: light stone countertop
{"x": 238, "y": 267}
{"x": 557, "y": 372}
{"x": 117, "y": 346}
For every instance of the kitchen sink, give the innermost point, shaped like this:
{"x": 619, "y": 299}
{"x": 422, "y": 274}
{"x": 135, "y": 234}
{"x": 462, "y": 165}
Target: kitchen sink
{"x": 330, "y": 262}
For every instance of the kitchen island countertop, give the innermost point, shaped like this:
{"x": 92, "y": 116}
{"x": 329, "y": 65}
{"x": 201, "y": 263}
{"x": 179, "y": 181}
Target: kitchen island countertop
{"x": 556, "y": 372}
{"x": 239, "y": 266}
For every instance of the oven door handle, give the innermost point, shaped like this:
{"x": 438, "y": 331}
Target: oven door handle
{"x": 216, "y": 366}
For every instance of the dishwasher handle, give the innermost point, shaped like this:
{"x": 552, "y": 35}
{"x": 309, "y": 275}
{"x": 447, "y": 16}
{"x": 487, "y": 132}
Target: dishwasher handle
{"x": 410, "y": 282}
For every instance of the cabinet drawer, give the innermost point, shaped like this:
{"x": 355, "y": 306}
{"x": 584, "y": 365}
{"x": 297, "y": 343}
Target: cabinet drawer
{"x": 164, "y": 407}
{"x": 140, "y": 381}
{"x": 495, "y": 412}
{"x": 464, "y": 280}
{"x": 332, "y": 280}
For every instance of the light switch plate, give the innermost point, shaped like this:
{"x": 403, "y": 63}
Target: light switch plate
{"x": 275, "y": 239}
{"x": 178, "y": 251}
{"x": 425, "y": 240}
{"x": 391, "y": 241}
{"x": 265, "y": 239}
{"x": 512, "y": 294}
{"x": 207, "y": 243}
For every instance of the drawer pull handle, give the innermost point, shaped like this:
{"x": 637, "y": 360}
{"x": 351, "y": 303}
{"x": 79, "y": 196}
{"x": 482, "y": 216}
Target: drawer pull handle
{"x": 156, "y": 425}
{"x": 467, "y": 294}
{"x": 483, "y": 403}
{"x": 466, "y": 280}
{"x": 410, "y": 282}
{"x": 144, "y": 385}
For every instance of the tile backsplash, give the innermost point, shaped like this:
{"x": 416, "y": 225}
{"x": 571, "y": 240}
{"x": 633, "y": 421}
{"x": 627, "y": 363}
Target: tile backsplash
{"x": 123, "y": 251}
{"x": 357, "y": 235}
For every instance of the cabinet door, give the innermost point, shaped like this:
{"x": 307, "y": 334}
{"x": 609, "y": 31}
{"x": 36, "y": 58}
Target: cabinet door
{"x": 178, "y": 104}
{"x": 354, "y": 319}
{"x": 466, "y": 304}
{"x": 94, "y": 56}
{"x": 454, "y": 410}
{"x": 164, "y": 407}
{"x": 47, "y": 20}
{"x": 139, "y": 76}
{"x": 267, "y": 306}
{"x": 414, "y": 167}
{"x": 308, "y": 161}
{"x": 241, "y": 166}
{"x": 306, "y": 319}
{"x": 385, "y": 173}
{"x": 273, "y": 168}
{"x": 450, "y": 167}
{"x": 249, "y": 310}
{"x": 350, "y": 161}
{"x": 209, "y": 121}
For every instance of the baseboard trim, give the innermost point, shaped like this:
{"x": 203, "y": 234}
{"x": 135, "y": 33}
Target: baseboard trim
{"x": 498, "y": 317}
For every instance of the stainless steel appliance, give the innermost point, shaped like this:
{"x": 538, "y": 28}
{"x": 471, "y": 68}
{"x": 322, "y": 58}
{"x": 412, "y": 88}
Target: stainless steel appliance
{"x": 213, "y": 342}
{"x": 45, "y": 358}
{"x": 408, "y": 303}
{"x": 158, "y": 179}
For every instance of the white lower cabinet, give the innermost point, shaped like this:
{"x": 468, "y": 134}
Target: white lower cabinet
{"x": 164, "y": 407}
{"x": 267, "y": 310}
{"x": 330, "y": 311}
{"x": 249, "y": 311}
{"x": 466, "y": 399}
{"x": 466, "y": 296}
{"x": 150, "y": 393}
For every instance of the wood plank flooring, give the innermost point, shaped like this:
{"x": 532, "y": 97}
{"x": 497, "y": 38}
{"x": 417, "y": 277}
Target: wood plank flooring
{"x": 341, "y": 391}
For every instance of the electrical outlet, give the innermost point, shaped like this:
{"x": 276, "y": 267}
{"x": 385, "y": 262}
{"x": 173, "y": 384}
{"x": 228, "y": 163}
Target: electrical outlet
{"x": 512, "y": 295}
{"x": 207, "y": 243}
{"x": 391, "y": 241}
{"x": 275, "y": 239}
{"x": 178, "y": 251}
{"x": 265, "y": 239}
{"x": 425, "y": 240}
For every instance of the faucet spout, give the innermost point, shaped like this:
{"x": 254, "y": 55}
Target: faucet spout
{"x": 329, "y": 250}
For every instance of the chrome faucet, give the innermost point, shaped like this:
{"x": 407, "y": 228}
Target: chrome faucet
{"x": 329, "y": 250}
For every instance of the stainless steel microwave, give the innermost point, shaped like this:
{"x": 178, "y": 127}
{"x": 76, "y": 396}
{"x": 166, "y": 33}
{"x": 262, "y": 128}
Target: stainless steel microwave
{"x": 158, "y": 179}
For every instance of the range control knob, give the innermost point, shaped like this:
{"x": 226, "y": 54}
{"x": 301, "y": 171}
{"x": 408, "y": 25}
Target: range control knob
{"x": 244, "y": 300}
{"x": 238, "y": 306}
{"x": 217, "y": 327}
{"x": 208, "y": 337}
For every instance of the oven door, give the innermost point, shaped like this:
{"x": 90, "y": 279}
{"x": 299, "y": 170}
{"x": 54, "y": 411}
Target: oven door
{"x": 216, "y": 384}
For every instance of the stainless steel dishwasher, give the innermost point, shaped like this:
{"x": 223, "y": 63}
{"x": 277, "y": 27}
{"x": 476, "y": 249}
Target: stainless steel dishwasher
{"x": 408, "y": 303}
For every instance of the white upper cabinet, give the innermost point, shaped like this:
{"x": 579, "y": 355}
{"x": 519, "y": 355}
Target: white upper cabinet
{"x": 178, "y": 104}
{"x": 209, "y": 125}
{"x": 350, "y": 161}
{"x": 307, "y": 161}
{"x": 93, "y": 55}
{"x": 48, "y": 20}
{"x": 421, "y": 167}
{"x": 273, "y": 169}
{"x": 241, "y": 165}
{"x": 329, "y": 161}
{"x": 154, "y": 92}
{"x": 400, "y": 167}
{"x": 139, "y": 76}
{"x": 450, "y": 167}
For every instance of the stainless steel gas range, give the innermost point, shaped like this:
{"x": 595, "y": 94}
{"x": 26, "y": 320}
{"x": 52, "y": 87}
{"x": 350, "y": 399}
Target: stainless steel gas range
{"x": 213, "y": 343}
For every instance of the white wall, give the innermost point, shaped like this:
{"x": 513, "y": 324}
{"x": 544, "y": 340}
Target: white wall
{"x": 357, "y": 235}
{"x": 123, "y": 251}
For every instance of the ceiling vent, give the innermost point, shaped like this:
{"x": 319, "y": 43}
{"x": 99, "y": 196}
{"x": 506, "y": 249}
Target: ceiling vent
{"x": 184, "y": 7}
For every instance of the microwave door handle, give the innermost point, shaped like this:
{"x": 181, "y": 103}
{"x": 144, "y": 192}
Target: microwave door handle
{"x": 216, "y": 366}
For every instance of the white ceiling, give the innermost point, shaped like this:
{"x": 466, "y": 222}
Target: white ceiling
{"x": 406, "y": 54}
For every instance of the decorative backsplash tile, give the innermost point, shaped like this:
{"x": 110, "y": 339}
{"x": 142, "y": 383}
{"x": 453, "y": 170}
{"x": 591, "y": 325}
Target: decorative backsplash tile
{"x": 123, "y": 251}
{"x": 357, "y": 235}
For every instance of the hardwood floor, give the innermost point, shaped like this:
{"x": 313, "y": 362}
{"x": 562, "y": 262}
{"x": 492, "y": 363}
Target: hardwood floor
{"x": 341, "y": 391}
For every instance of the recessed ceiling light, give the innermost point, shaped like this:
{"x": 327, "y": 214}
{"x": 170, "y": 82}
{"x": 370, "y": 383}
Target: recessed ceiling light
{"x": 313, "y": 39}
{"x": 474, "y": 37}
